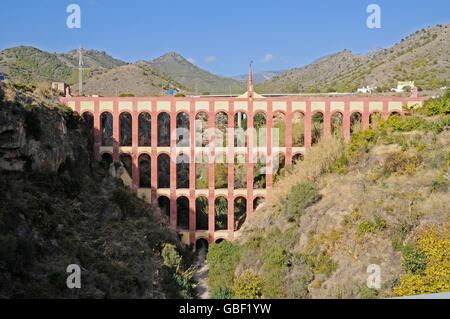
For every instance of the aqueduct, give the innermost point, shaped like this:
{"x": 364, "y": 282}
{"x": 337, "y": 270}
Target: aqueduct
{"x": 190, "y": 191}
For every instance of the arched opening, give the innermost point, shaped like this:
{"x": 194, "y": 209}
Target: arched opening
{"x": 163, "y": 171}
{"x": 127, "y": 163}
{"x": 336, "y": 123}
{"x": 316, "y": 127}
{"x": 107, "y": 159}
{"x": 163, "y": 129}
{"x": 394, "y": 114}
{"x": 106, "y": 126}
{"x": 201, "y": 244}
{"x": 240, "y": 212}
{"x": 201, "y": 171}
{"x": 182, "y": 129}
{"x": 240, "y": 129}
{"x": 297, "y": 158}
{"x": 260, "y": 132}
{"x": 355, "y": 122}
{"x": 240, "y": 171}
{"x": 219, "y": 240}
{"x": 201, "y": 129}
{"x": 164, "y": 205}
{"x": 375, "y": 120}
{"x": 279, "y": 130}
{"x": 259, "y": 171}
{"x": 221, "y": 213}
{"x": 182, "y": 212}
{"x": 89, "y": 126}
{"x": 144, "y": 129}
{"x": 144, "y": 171}
{"x": 221, "y": 125}
{"x": 257, "y": 201}
{"x": 221, "y": 171}
{"x": 278, "y": 166}
{"x": 298, "y": 129}
{"x": 182, "y": 171}
{"x": 125, "y": 129}
{"x": 201, "y": 213}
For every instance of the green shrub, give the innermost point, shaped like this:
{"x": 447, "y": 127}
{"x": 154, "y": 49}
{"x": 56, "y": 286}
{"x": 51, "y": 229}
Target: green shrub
{"x": 248, "y": 286}
{"x": 368, "y": 293}
{"x": 222, "y": 259}
{"x": 437, "y": 106}
{"x": 300, "y": 197}
{"x": 413, "y": 260}
{"x": 366, "y": 226}
{"x": 171, "y": 257}
{"x": 221, "y": 293}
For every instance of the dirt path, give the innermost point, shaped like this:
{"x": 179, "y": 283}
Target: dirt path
{"x": 201, "y": 275}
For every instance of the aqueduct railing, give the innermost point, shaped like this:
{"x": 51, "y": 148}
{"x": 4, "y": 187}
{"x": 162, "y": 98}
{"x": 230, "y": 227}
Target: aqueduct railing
{"x": 156, "y": 151}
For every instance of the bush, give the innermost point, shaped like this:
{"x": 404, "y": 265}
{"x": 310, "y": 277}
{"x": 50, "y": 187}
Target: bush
{"x": 221, "y": 293}
{"x": 400, "y": 163}
{"x": 366, "y": 226}
{"x": 222, "y": 259}
{"x": 171, "y": 257}
{"x": 437, "y": 106}
{"x": 248, "y": 286}
{"x": 413, "y": 259}
{"x": 301, "y": 196}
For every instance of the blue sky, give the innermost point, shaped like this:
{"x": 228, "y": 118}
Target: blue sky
{"x": 220, "y": 36}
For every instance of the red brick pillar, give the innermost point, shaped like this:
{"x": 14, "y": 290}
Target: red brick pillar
{"x": 173, "y": 165}
{"x": 134, "y": 146}
{"x": 78, "y": 107}
{"x": 250, "y": 157}
{"x": 327, "y": 119}
{"x": 308, "y": 119}
{"x": 269, "y": 142}
{"x": 385, "y": 109}
{"x": 97, "y": 130}
{"x": 346, "y": 121}
{"x": 211, "y": 172}
{"x": 116, "y": 130}
{"x": 289, "y": 119}
{"x": 230, "y": 161}
{"x": 366, "y": 115}
{"x": 154, "y": 150}
{"x": 192, "y": 219}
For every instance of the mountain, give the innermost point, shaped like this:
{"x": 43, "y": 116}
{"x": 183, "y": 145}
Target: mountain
{"x": 258, "y": 77}
{"x": 423, "y": 57}
{"x": 28, "y": 64}
{"x": 192, "y": 77}
{"x": 373, "y": 51}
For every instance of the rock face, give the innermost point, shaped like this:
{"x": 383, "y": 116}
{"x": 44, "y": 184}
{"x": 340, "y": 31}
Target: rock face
{"x": 38, "y": 137}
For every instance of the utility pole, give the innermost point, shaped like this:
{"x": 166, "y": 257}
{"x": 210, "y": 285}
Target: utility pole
{"x": 80, "y": 70}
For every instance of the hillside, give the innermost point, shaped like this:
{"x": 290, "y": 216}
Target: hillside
{"x": 192, "y": 77}
{"x": 423, "y": 57}
{"x": 382, "y": 199}
{"x": 258, "y": 77}
{"x": 61, "y": 207}
{"x": 31, "y": 65}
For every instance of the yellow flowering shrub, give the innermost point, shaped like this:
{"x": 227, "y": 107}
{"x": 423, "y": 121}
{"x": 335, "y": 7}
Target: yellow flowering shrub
{"x": 434, "y": 242}
{"x": 248, "y": 286}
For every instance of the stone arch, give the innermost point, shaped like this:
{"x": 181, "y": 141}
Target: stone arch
{"x": 182, "y": 212}
{"x": 88, "y": 123}
{"x": 278, "y": 166}
{"x": 107, "y": 159}
{"x": 260, "y": 132}
{"x": 355, "y": 122}
{"x": 182, "y": 171}
{"x": 240, "y": 212}
{"x": 337, "y": 120}
{"x": 220, "y": 213}
{"x": 279, "y": 123}
{"x": 240, "y": 171}
{"x": 298, "y": 129}
{"x": 144, "y": 171}
{"x": 221, "y": 125}
{"x": 374, "y": 119}
{"x": 297, "y": 158}
{"x": 259, "y": 171}
{"x": 201, "y": 129}
{"x": 201, "y": 244}
{"x": 240, "y": 129}
{"x": 125, "y": 128}
{"x": 164, "y": 205}
{"x": 221, "y": 171}
{"x": 316, "y": 127}
{"x": 201, "y": 171}
{"x": 201, "y": 212}
{"x": 163, "y": 129}
{"x": 219, "y": 240}
{"x": 144, "y": 129}
{"x": 257, "y": 201}
{"x": 183, "y": 127}
{"x": 163, "y": 171}
{"x": 127, "y": 162}
{"x": 106, "y": 127}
